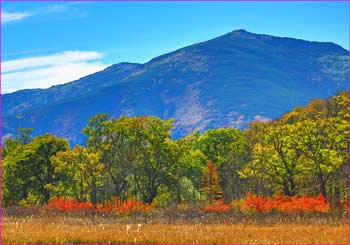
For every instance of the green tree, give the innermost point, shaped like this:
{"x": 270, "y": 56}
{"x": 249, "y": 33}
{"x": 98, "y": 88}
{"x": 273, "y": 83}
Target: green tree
{"x": 82, "y": 171}
{"x": 323, "y": 143}
{"x": 119, "y": 142}
{"x": 157, "y": 157}
{"x": 229, "y": 150}
{"x": 95, "y": 130}
{"x": 138, "y": 153}
{"x": 23, "y": 137}
{"x": 276, "y": 158}
{"x": 28, "y": 170}
{"x": 187, "y": 172}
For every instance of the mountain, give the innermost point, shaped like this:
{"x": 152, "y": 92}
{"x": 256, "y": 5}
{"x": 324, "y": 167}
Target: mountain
{"x": 227, "y": 81}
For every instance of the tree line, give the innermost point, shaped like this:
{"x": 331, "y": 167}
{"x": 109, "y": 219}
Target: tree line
{"x": 303, "y": 152}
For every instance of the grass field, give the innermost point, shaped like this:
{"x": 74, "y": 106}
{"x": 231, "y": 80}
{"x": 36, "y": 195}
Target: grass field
{"x": 66, "y": 228}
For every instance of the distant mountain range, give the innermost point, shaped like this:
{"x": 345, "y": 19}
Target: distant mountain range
{"x": 230, "y": 80}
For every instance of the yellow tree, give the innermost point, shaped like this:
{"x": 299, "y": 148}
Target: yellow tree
{"x": 82, "y": 172}
{"x": 323, "y": 142}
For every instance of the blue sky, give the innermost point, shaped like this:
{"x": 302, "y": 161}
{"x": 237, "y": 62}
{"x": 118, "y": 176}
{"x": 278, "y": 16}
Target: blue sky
{"x": 48, "y": 43}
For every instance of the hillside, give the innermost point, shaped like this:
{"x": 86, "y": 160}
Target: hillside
{"x": 229, "y": 80}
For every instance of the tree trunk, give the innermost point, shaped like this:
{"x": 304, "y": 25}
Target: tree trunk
{"x": 46, "y": 196}
{"x": 336, "y": 200}
{"x": 179, "y": 193}
{"x": 94, "y": 195}
{"x": 286, "y": 191}
{"x": 152, "y": 195}
{"x": 292, "y": 187}
{"x": 322, "y": 186}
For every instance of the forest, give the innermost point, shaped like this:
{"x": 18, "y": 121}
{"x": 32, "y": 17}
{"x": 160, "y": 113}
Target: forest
{"x": 302, "y": 154}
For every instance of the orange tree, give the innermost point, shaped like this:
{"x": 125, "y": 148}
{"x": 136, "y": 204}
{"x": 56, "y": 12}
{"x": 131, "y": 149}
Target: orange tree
{"x": 210, "y": 182}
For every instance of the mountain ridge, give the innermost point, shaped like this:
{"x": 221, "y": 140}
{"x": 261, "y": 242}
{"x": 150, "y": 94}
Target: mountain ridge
{"x": 260, "y": 77}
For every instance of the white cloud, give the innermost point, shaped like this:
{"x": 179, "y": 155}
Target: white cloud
{"x": 261, "y": 118}
{"x": 67, "y": 8}
{"x": 50, "y": 60}
{"x": 46, "y": 71}
{"x": 9, "y": 17}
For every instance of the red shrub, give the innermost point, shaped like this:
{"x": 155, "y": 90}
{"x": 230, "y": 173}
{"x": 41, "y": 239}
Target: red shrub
{"x": 257, "y": 204}
{"x": 306, "y": 204}
{"x": 218, "y": 207}
{"x": 68, "y": 205}
{"x": 285, "y": 204}
{"x": 64, "y": 205}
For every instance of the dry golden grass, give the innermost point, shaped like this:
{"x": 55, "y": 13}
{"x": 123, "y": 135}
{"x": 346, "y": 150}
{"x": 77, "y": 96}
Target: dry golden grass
{"x": 90, "y": 229}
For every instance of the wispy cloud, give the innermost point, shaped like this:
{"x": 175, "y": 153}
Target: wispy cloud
{"x": 54, "y": 8}
{"x": 50, "y": 60}
{"x": 49, "y": 70}
{"x": 14, "y": 16}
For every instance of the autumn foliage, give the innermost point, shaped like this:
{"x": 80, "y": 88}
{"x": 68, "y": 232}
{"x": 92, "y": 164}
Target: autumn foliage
{"x": 218, "y": 207}
{"x": 252, "y": 203}
{"x": 62, "y": 204}
{"x": 261, "y": 204}
{"x": 210, "y": 182}
{"x": 117, "y": 206}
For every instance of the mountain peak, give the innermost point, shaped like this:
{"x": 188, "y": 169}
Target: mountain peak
{"x": 306, "y": 45}
{"x": 242, "y": 33}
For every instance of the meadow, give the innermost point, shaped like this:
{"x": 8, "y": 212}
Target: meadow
{"x": 42, "y": 227}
